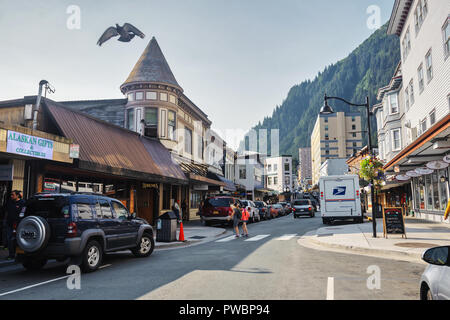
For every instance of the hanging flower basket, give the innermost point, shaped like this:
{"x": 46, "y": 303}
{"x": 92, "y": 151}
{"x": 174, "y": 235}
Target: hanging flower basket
{"x": 372, "y": 169}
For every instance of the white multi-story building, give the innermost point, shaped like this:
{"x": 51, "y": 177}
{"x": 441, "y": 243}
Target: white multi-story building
{"x": 279, "y": 173}
{"x": 420, "y": 154}
{"x": 249, "y": 172}
{"x": 424, "y": 30}
{"x": 390, "y": 115}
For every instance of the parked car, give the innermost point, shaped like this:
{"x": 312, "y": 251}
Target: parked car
{"x": 217, "y": 210}
{"x": 82, "y": 227}
{"x": 252, "y": 210}
{"x": 276, "y": 210}
{"x": 264, "y": 212}
{"x": 303, "y": 207}
{"x": 435, "y": 281}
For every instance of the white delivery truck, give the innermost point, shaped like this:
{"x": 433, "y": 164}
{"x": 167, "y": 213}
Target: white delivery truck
{"x": 340, "y": 198}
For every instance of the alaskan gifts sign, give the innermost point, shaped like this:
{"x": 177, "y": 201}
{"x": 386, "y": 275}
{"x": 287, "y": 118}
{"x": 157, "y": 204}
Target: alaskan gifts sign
{"x": 31, "y": 146}
{"x": 393, "y": 221}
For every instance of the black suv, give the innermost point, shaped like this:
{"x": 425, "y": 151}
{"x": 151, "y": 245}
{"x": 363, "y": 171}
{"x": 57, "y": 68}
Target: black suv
{"x": 78, "y": 226}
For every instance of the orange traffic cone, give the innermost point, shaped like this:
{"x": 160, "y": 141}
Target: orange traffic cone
{"x": 181, "y": 237}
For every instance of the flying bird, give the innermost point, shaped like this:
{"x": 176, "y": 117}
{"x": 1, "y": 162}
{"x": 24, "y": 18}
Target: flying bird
{"x": 126, "y": 33}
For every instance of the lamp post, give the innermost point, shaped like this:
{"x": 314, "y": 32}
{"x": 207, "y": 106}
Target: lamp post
{"x": 326, "y": 110}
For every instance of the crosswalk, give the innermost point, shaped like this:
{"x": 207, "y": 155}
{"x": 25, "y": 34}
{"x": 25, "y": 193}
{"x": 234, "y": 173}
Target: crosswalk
{"x": 259, "y": 237}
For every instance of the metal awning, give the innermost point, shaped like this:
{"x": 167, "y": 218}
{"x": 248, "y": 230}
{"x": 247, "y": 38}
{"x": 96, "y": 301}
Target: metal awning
{"x": 434, "y": 144}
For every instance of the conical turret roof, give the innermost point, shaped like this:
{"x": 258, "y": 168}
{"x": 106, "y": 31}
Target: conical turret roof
{"x": 152, "y": 67}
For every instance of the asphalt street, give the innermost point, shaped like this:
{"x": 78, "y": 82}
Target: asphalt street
{"x": 270, "y": 264}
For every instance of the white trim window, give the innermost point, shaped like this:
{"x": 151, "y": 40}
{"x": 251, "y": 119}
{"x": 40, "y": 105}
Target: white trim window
{"x": 171, "y": 125}
{"x": 429, "y": 65}
{"x": 130, "y": 97}
{"x": 423, "y": 125}
{"x": 407, "y": 99}
{"x": 396, "y": 139}
{"x": 419, "y": 14}
{"x": 151, "y": 95}
{"x": 421, "y": 78}
{"x": 163, "y": 96}
{"x": 139, "y": 96}
{"x": 433, "y": 117}
{"x": 411, "y": 92}
{"x": 406, "y": 44}
{"x": 393, "y": 103}
{"x": 446, "y": 36}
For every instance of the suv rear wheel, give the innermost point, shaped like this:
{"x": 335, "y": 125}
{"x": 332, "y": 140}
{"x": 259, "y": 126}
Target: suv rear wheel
{"x": 145, "y": 247}
{"x": 34, "y": 264}
{"x": 92, "y": 256}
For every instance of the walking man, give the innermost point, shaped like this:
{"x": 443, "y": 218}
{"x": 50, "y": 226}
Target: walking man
{"x": 13, "y": 208}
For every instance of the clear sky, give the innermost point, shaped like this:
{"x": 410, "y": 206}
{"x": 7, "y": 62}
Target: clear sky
{"x": 236, "y": 59}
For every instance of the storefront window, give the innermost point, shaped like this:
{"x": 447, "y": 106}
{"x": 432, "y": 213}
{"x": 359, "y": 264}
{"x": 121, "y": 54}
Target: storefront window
{"x": 422, "y": 192}
{"x": 429, "y": 188}
{"x": 416, "y": 194}
{"x": 196, "y": 198}
{"x": 435, "y": 191}
{"x": 443, "y": 189}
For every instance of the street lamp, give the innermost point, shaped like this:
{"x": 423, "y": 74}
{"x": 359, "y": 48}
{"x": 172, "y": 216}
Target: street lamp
{"x": 327, "y": 110}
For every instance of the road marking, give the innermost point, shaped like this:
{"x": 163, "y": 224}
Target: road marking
{"x": 259, "y": 237}
{"x": 32, "y": 286}
{"x": 286, "y": 237}
{"x": 227, "y": 239}
{"x": 330, "y": 288}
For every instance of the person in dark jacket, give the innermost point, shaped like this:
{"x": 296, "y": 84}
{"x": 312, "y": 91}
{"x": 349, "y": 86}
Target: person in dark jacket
{"x": 13, "y": 208}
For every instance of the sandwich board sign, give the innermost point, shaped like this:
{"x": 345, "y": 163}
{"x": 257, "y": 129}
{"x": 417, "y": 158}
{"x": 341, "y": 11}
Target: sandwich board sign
{"x": 393, "y": 222}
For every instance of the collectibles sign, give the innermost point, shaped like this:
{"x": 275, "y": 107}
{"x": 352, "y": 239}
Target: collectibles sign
{"x": 31, "y": 146}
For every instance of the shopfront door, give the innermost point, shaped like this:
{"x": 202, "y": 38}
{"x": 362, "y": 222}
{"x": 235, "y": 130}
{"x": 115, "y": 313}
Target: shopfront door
{"x": 145, "y": 204}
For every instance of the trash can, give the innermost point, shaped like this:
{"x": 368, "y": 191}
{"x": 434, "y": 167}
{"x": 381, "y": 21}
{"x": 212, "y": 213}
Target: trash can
{"x": 166, "y": 227}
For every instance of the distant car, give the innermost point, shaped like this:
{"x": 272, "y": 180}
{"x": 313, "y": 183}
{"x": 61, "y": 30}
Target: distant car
{"x": 435, "y": 281}
{"x": 264, "y": 212}
{"x": 303, "y": 207}
{"x": 252, "y": 210}
{"x": 277, "y": 210}
{"x": 217, "y": 210}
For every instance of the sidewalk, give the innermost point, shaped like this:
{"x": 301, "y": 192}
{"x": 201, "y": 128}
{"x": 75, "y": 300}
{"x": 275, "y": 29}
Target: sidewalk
{"x": 194, "y": 233}
{"x": 358, "y": 239}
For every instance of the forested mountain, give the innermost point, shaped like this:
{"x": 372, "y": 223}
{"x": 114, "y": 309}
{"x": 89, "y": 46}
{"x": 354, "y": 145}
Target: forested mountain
{"x": 362, "y": 73}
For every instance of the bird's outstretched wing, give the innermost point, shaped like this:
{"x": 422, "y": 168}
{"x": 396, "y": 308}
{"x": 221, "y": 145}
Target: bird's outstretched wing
{"x": 130, "y": 28}
{"x": 108, "y": 34}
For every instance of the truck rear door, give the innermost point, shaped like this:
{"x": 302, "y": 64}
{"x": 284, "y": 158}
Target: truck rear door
{"x": 340, "y": 197}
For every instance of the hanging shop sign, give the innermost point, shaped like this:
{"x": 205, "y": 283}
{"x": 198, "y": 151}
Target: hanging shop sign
{"x": 424, "y": 170}
{"x": 437, "y": 165}
{"x": 413, "y": 174}
{"x": 393, "y": 222}
{"x": 403, "y": 177}
{"x": 150, "y": 185}
{"x": 31, "y": 146}
{"x": 74, "y": 152}
{"x": 447, "y": 159}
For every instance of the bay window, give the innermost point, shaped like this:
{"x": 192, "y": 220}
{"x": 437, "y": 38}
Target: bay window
{"x": 171, "y": 125}
{"x": 151, "y": 122}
